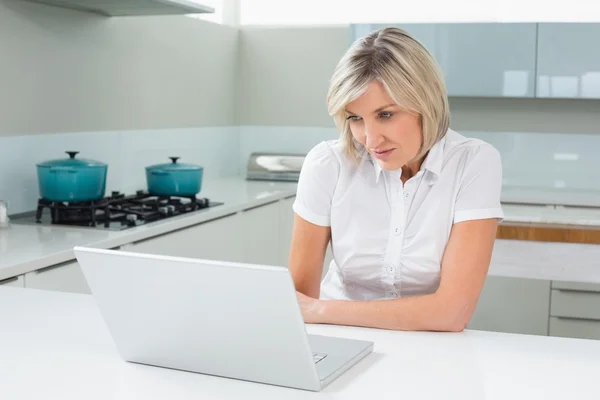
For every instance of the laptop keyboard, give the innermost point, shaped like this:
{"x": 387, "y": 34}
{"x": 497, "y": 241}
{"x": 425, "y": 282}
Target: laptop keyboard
{"x": 318, "y": 357}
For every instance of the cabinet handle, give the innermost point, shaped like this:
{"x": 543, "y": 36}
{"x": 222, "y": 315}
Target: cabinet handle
{"x": 51, "y": 267}
{"x": 576, "y": 318}
{"x": 260, "y": 205}
{"x": 9, "y": 280}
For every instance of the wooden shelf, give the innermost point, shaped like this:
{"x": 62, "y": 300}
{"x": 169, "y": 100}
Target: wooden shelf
{"x": 549, "y": 232}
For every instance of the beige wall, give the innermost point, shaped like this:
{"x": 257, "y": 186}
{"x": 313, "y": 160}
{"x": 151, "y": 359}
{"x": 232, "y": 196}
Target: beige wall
{"x": 285, "y": 73}
{"x": 65, "y": 71}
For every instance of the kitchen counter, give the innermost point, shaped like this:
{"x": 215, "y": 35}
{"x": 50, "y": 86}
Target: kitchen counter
{"x": 56, "y": 346}
{"x": 25, "y": 248}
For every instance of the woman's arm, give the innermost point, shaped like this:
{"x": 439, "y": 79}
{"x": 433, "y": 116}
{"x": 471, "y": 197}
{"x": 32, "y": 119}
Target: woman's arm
{"x": 464, "y": 268}
{"x": 307, "y": 254}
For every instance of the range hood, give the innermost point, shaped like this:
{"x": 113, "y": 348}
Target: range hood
{"x": 114, "y": 8}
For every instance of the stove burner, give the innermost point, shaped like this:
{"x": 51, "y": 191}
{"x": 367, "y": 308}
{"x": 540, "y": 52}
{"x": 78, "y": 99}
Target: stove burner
{"x": 118, "y": 208}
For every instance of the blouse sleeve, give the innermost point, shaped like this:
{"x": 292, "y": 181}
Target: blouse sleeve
{"x": 479, "y": 192}
{"x": 316, "y": 185}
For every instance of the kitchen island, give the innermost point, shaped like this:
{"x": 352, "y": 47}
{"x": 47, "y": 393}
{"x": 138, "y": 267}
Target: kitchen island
{"x": 55, "y": 346}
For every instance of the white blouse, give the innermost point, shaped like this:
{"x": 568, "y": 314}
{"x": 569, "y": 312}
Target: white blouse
{"x": 388, "y": 239}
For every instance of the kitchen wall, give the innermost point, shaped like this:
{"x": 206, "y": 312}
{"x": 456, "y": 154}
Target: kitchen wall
{"x": 288, "y": 69}
{"x": 547, "y": 144}
{"x": 69, "y": 71}
{"x": 126, "y": 91}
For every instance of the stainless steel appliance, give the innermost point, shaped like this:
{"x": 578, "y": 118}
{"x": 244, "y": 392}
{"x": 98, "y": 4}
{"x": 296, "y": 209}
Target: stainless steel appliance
{"x": 275, "y": 166}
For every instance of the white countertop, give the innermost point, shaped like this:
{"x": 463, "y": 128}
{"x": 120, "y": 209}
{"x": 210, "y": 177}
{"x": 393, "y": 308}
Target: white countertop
{"x": 56, "y": 346}
{"x": 25, "y": 248}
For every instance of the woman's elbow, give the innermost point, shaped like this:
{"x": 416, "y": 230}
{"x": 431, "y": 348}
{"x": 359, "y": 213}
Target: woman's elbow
{"x": 458, "y": 317}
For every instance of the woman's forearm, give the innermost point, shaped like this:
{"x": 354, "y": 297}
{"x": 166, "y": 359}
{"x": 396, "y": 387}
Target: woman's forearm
{"x": 430, "y": 313}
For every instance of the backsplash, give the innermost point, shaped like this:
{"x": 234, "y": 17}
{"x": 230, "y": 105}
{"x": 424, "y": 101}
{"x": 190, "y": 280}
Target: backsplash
{"x": 541, "y": 166}
{"x": 125, "y": 152}
{"x": 553, "y": 167}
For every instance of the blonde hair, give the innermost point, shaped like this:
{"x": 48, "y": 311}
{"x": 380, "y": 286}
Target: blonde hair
{"x": 408, "y": 72}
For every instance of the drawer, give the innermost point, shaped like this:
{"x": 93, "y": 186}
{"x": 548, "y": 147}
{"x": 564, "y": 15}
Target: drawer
{"x": 574, "y": 304}
{"x": 583, "y": 287}
{"x": 574, "y": 328}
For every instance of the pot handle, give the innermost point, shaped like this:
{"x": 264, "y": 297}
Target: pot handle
{"x": 72, "y": 154}
{"x": 159, "y": 172}
{"x": 174, "y": 159}
{"x": 70, "y": 170}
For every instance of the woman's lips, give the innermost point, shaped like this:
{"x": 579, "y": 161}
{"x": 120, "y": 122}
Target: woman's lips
{"x": 383, "y": 154}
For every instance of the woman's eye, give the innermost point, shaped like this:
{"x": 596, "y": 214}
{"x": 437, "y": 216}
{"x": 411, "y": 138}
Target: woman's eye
{"x": 385, "y": 115}
{"x": 353, "y": 118}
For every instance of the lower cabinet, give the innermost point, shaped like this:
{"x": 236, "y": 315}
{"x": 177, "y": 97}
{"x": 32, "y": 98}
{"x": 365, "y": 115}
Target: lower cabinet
{"x": 260, "y": 235}
{"x": 17, "y": 281}
{"x": 575, "y": 310}
{"x": 65, "y": 277}
{"x": 286, "y": 226}
{"x": 575, "y": 328}
{"x": 513, "y": 305}
{"x": 218, "y": 239}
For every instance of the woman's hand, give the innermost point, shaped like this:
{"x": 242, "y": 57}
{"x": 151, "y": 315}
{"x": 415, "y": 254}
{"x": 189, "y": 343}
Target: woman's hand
{"x": 312, "y": 309}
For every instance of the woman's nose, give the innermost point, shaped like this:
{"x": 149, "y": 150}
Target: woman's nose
{"x": 373, "y": 138}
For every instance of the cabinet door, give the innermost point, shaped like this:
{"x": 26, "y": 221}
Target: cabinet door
{"x": 219, "y": 239}
{"x": 478, "y": 59}
{"x": 286, "y": 226}
{"x": 260, "y": 235}
{"x": 65, "y": 277}
{"x": 487, "y": 59}
{"x": 513, "y": 305}
{"x": 17, "y": 281}
{"x": 568, "y": 60}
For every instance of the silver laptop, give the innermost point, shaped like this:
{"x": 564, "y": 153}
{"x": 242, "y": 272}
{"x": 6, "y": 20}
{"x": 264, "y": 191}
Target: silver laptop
{"x": 218, "y": 318}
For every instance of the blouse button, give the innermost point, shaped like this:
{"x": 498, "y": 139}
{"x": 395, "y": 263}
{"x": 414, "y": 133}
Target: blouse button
{"x": 393, "y": 295}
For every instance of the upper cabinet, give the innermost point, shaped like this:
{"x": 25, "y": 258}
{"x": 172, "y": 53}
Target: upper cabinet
{"x": 113, "y": 8}
{"x": 568, "y": 60}
{"x": 523, "y": 60}
{"x": 487, "y": 60}
{"x": 479, "y": 59}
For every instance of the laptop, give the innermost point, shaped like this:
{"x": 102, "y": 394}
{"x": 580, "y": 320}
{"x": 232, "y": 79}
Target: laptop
{"x": 227, "y": 319}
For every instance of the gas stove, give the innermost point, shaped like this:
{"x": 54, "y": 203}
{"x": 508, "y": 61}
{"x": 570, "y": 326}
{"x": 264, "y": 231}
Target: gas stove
{"x": 115, "y": 212}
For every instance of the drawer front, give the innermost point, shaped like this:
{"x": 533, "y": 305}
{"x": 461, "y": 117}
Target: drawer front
{"x": 572, "y": 304}
{"x": 575, "y": 328}
{"x": 583, "y": 287}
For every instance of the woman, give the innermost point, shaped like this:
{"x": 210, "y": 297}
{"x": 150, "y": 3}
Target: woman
{"x": 410, "y": 206}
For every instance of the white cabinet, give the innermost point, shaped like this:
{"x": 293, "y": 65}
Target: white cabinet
{"x": 478, "y": 59}
{"x": 286, "y": 226}
{"x": 65, "y": 277}
{"x": 17, "y": 281}
{"x": 568, "y": 60}
{"x": 218, "y": 239}
{"x": 259, "y": 228}
{"x": 513, "y": 305}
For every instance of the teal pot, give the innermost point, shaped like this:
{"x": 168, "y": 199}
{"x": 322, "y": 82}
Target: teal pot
{"x": 72, "y": 179}
{"x": 174, "y": 179}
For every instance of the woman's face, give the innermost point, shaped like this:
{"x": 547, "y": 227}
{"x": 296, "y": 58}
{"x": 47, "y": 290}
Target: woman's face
{"x": 392, "y": 136}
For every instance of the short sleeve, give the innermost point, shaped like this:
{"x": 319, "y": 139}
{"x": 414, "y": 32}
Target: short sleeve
{"x": 480, "y": 187}
{"x": 316, "y": 185}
